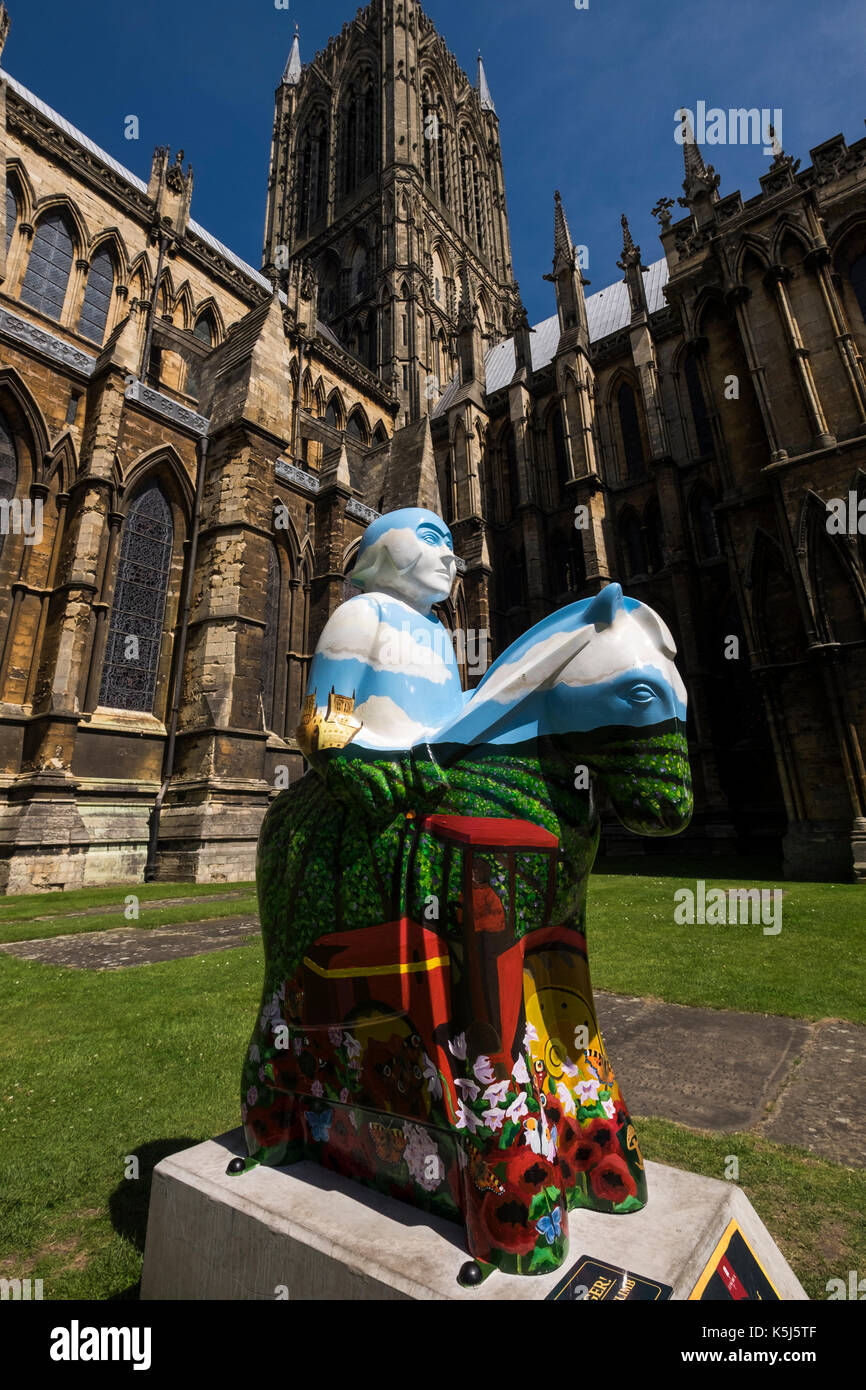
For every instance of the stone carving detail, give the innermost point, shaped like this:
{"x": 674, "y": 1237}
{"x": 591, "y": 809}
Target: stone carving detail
{"x": 47, "y": 343}
{"x": 360, "y": 511}
{"x": 290, "y": 474}
{"x": 163, "y": 405}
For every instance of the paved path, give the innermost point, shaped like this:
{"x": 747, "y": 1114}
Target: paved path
{"x": 124, "y": 946}
{"x": 783, "y": 1078}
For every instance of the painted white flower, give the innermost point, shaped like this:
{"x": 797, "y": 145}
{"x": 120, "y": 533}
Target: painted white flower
{"x": 457, "y": 1047}
{"x": 517, "y": 1107}
{"x": 255, "y": 1055}
{"x": 566, "y": 1098}
{"x": 353, "y": 1047}
{"x": 417, "y": 1156}
{"x": 466, "y": 1119}
{"x": 483, "y": 1070}
{"x": 570, "y": 1069}
{"x": 252, "y": 1095}
{"x": 519, "y": 1072}
{"x": 495, "y": 1118}
{"x": 609, "y": 1108}
{"x": 317, "y": 1088}
{"x": 588, "y": 1091}
{"x": 344, "y": 1097}
{"x": 529, "y": 1036}
{"x": 467, "y": 1085}
{"x": 335, "y": 1036}
{"x": 432, "y": 1077}
{"x": 497, "y": 1092}
{"x": 297, "y": 1045}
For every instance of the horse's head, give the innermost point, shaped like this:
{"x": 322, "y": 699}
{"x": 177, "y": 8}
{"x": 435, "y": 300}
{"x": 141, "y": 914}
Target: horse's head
{"x": 618, "y": 706}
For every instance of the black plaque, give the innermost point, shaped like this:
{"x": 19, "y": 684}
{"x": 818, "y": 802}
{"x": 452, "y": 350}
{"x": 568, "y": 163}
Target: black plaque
{"x": 594, "y": 1281}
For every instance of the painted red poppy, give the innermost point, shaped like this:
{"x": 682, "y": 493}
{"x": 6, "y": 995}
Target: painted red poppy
{"x": 611, "y": 1180}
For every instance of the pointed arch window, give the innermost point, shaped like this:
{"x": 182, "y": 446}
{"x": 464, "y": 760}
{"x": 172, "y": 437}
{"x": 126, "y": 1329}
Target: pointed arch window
{"x": 8, "y": 467}
{"x": 11, "y": 213}
{"x": 48, "y": 268}
{"x": 632, "y": 439}
{"x": 560, "y": 453}
{"x": 697, "y": 400}
{"x": 97, "y": 296}
{"x": 478, "y": 197}
{"x": 511, "y": 466}
{"x": 312, "y": 180}
{"x": 332, "y": 416}
{"x": 858, "y": 280}
{"x": 706, "y": 532}
{"x": 137, "y": 613}
{"x": 270, "y": 636}
{"x": 634, "y": 548}
{"x": 205, "y": 333}
{"x": 355, "y": 427}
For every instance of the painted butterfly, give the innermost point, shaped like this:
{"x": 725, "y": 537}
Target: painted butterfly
{"x": 484, "y": 1180}
{"x": 320, "y": 1125}
{"x": 388, "y": 1143}
{"x": 551, "y": 1226}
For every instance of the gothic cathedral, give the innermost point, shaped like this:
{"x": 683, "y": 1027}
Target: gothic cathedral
{"x": 191, "y": 449}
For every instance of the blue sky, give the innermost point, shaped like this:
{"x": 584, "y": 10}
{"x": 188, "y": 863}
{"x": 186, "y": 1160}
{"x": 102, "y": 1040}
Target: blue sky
{"x": 586, "y": 99}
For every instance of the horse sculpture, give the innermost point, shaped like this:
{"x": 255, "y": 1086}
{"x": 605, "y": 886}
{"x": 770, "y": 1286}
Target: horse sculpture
{"x": 427, "y": 1024}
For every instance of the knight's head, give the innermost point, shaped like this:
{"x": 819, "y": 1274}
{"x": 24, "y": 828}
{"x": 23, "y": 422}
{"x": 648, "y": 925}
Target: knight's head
{"x": 409, "y": 554}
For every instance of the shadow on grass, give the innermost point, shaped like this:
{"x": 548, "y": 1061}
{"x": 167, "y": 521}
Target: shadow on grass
{"x": 129, "y": 1203}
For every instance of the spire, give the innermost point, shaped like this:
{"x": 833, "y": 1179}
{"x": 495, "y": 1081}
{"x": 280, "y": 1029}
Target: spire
{"x": 695, "y": 166}
{"x": 484, "y": 95}
{"x": 562, "y": 242}
{"x": 567, "y": 276}
{"x": 467, "y": 306}
{"x": 4, "y": 25}
{"x": 292, "y": 74}
{"x": 701, "y": 183}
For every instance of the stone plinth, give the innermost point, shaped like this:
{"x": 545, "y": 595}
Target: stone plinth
{"x": 304, "y": 1233}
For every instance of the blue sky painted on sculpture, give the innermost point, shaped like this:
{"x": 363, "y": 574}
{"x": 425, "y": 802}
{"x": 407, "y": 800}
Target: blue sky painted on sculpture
{"x": 586, "y": 99}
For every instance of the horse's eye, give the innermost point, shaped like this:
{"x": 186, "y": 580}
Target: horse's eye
{"x": 641, "y": 694}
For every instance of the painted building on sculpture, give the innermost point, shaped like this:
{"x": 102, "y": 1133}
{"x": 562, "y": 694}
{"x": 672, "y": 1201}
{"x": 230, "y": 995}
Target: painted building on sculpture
{"x": 207, "y": 443}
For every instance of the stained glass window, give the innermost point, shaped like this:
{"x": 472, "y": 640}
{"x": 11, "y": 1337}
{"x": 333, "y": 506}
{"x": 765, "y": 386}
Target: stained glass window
{"x": 135, "y": 632}
{"x": 8, "y": 467}
{"x": 48, "y": 269}
{"x": 97, "y": 297}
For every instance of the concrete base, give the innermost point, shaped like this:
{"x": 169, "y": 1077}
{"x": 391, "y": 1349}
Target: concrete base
{"x": 304, "y": 1233}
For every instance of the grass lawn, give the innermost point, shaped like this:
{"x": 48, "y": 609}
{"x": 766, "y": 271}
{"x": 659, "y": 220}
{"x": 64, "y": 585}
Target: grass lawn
{"x": 35, "y": 916}
{"x": 814, "y": 967}
{"x": 97, "y": 1066}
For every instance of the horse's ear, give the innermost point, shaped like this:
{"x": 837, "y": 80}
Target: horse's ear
{"x": 605, "y": 606}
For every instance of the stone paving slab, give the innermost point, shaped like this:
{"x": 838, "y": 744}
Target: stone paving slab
{"x": 125, "y": 946}
{"x": 823, "y": 1106}
{"x": 710, "y": 1068}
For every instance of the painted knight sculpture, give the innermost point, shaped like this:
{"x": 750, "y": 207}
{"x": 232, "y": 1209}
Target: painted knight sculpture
{"x": 427, "y": 1024}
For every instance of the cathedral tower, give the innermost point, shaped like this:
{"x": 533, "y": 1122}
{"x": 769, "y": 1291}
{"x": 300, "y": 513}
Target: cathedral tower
{"x": 386, "y": 172}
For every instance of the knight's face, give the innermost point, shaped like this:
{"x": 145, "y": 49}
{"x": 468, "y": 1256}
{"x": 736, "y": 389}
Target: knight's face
{"x": 426, "y": 561}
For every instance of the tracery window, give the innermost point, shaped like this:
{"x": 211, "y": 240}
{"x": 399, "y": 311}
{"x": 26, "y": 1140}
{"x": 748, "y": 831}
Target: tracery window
{"x": 97, "y": 296}
{"x": 312, "y": 183}
{"x": 358, "y": 133}
{"x": 204, "y": 332}
{"x": 135, "y": 631}
{"x": 8, "y": 467}
{"x": 703, "y": 431}
{"x": 560, "y": 453}
{"x": 632, "y": 440}
{"x": 48, "y": 268}
{"x": 633, "y": 545}
{"x": 705, "y": 526}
